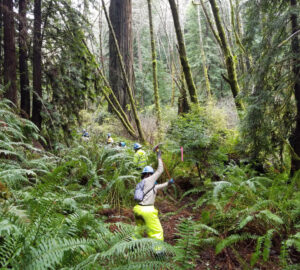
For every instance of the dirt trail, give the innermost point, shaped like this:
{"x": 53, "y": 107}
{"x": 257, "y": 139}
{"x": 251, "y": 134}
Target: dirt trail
{"x": 169, "y": 212}
{"x": 170, "y": 215}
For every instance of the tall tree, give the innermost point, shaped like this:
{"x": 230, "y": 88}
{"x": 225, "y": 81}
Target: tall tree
{"x": 120, "y": 14}
{"x": 125, "y": 77}
{"x": 10, "y": 61}
{"x": 1, "y": 40}
{"x": 154, "y": 69}
{"x": 203, "y": 56}
{"x": 225, "y": 47}
{"x": 296, "y": 70}
{"x": 183, "y": 56}
{"x": 23, "y": 57}
{"x": 37, "y": 64}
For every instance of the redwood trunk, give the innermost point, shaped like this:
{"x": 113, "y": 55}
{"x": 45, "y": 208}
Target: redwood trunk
{"x": 37, "y": 65}
{"x": 23, "y": 57}
{"x": 10, "y": 61}
{"x": 295, "y": 141}
{"x": 120, "y": 13}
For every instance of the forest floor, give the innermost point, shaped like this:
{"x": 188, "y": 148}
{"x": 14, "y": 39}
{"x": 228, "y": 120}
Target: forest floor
{"x": 170, "y": 214}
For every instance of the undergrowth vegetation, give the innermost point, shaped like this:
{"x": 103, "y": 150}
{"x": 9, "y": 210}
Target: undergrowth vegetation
{"x": 49, "y": 204}
{"x": 50, "y": 215}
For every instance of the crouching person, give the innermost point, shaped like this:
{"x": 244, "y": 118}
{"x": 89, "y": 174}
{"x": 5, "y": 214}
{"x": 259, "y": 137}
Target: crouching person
{"x": 146, "y": 215}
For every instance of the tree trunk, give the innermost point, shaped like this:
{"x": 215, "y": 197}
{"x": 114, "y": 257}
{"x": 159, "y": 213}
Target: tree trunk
{"x": 120, "y": 14}
{"x": 183, "y": 103}
{"x": 101, "y": 40}
{"x": 203, "y": 56}
{"x": 1, "y": 40}
{"x": 295, "y": 140}
{"x": 23, "y": 56}
{"x": 229, "y": 59}
{"x": 37, "y": 65}
{"x": 154, "y": 69}
{"x": 10, "y": 61}
{"x": 182, "y": 53}
{"x": 125, "y": 78}
{"x": 173, "y": 84}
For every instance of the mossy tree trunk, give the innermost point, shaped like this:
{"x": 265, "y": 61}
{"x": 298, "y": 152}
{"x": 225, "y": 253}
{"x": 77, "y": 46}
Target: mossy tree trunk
{"x": 128, "y": 87}
{"x": 154, "y": 70}
{"x": 245, "y": 57}
{"x": 183, "y": 103}
{"x": 183, "y": 56}
{"x": 229, "y": 59}
{"x": 295, "y": 140}
{"x": 203, "y": 56}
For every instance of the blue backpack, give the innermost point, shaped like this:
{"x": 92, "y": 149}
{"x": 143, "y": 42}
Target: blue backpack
{"x": 139, "y": 191}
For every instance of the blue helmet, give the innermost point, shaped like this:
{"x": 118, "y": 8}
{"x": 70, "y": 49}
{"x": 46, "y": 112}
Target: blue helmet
{"x": 122, "y": 144}
{"x": 108, "y": 135}
{"x": 148, "y": 169}
{"x": 137, "y": 146}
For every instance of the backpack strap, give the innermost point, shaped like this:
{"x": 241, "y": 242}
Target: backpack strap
{"x": 149, "y": 190}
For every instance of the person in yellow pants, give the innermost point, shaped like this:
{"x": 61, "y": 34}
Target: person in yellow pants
{"x": 146, "y": 215}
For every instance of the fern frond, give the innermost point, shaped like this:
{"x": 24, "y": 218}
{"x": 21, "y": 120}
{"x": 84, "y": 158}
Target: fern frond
{"x": 51, "y": 251}
{"x": 245, "y": 221}
{"x": 267, "y": 244}
{"x": 271, "y": 218}
{"x": 7, "y": 228}
{"x": 230, "y": 240}
{"x": 219, "y": 186}
{"x": 147, "y": 265}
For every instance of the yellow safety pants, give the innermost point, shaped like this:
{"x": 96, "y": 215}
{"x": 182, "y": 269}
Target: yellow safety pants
{"x": 146, "y": 217}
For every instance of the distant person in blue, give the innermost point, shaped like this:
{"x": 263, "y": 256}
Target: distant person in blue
{"x": 122, "y": 144}
{"x": 85, "y": 135}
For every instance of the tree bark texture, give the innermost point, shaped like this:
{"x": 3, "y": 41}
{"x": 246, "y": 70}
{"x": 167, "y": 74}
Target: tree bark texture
{"x": 120, "y": 13}
{"x": 183, "y": 103}
{"x": 1, "y": 40}
{"x": 229, "y": 59}
{"x": 182, "y": 53}
{"x": 125, "y": 78}
{"x": 37, "y": 65}
{"x": 23, "y": 57}
{"x": 154, "y": 69}
{"x": 295, "y": 141}
{"x": 10, "y": 61}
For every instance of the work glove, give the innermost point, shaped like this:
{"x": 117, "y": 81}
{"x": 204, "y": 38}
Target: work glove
{"x": 158, "y": 153}
{"x": 171, "y": 181}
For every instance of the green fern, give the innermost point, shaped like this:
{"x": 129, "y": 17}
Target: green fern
{"x": 230, "y": 240}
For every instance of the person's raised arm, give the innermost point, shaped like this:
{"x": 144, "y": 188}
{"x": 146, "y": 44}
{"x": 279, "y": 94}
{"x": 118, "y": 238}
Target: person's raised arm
{"x": 153, "y": 178}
